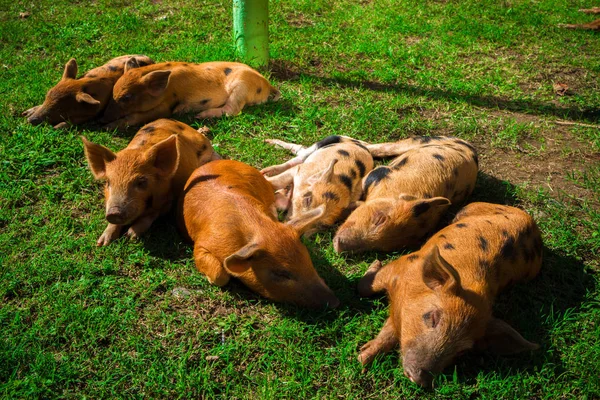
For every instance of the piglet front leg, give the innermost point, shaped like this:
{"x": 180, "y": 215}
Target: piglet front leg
{"x": 110, "y": 234}
{"x": 140, "y": 226}
{"x": 28, "y": 113}
{"x": 385, "y": 341}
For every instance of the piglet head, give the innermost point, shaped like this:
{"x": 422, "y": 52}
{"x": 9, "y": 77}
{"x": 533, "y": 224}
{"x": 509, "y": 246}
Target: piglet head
{"x": 389, "y": 224}
{"x": 321, "y": 190}
{"x": 74, "y": 100}
{"x": 277, "y": 265}
{"x": 132, "y": 176}
{"x": 437, "y": 319}
{"x": 136, "y": 91}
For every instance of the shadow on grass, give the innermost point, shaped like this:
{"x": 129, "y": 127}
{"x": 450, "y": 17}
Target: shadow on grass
{"x": 533, "y": 309}
{"x": 282, "y": 107}
{"x": 285, "y": 70}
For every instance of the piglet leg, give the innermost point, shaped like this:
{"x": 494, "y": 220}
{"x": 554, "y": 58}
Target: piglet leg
{"x": 210, "y": 266}
{"x": 234, "y": 104}
{"x": 110, "y": 234}
{"x": 374, "y": 280}
{"x": 30, "y": 112}
{"x": 140, "y": 226}
{"x": 385, "y": 341}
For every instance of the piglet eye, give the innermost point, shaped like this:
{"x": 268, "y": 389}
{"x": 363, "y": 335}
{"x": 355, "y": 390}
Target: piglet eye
{"x": 379, "y": 218}
{"x": 431, "y": 318}
{"x": 281, "y": 275}
{"x": 126, "y": 97}
{"x": 307, "y": 200}
{"x": 141, "y": 182}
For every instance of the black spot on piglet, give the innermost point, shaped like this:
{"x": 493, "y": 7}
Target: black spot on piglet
{"x": 329, "y": 140}
{"x": 376, "y": 176}
{"x": 483, "y": 243}
{"x": 227, "y": 71}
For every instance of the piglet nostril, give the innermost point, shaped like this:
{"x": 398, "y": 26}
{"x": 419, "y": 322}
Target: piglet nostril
{"x": 115, "y": 215}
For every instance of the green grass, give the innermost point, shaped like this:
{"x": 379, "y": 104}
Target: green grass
{"x": 80, "y": 321}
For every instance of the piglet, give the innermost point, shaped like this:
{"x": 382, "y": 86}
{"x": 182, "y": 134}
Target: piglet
{"x": 228, "y": 210}
{"x": 213, "y": 89}
{"x": 327, "y": 174}
{"x": 405, "y": 200}
{"x": 143, "y": 179}
{"x": 441, "y": 296}
{"x": 78, "y": 100}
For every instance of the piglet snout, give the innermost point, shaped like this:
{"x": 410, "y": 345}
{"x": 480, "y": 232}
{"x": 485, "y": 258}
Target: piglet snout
{"x": 342, "y": 243}
{"x": 322, "y": 296}
{"x": 420, "y": 377}
{"x": 116, "y": 215}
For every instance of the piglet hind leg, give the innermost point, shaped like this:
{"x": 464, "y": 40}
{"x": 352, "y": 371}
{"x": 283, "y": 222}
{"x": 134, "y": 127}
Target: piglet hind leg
{"x": 385, "y": 341}
{"x": 234, "y": 104}
{"x": 210, "y": 266}
{"x": 110, "y": 234}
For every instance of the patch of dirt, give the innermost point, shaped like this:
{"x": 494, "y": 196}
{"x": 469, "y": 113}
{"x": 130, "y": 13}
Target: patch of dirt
{"x": 299, "y": 20}
{"x": 548, "y": 170}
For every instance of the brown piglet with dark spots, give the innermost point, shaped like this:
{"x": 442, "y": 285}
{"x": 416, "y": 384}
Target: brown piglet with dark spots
{"x": 405, "y": 200}
{"x": 441, "y": 296}
{"x": 214, "y": 89}
{"x": 143, "y": 179}
{"x": 78, "y": 100}
{"x": 325, "y": 176}
{"x": 228, "y": 211}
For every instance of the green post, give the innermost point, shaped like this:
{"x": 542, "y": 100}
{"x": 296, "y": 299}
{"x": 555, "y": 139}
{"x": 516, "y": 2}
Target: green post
{"x": 251, "y": 31}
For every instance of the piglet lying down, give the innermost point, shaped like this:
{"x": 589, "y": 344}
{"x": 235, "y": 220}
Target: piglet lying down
{"x": 228, "y": 211}
{"x": 441, "y": 296}
{"x": 143, "y": 180}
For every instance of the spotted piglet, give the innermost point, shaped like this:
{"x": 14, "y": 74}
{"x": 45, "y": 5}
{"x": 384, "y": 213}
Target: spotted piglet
{"x": 78, "y": 100}
{"x": 143, "y": 179}
{"x": 325, "y": 176}
{"x": 441, "y": 296}
{"x": 405, "y": 200}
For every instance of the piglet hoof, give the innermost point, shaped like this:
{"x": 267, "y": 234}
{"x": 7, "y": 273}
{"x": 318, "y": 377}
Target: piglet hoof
{"x": 110, "y": 234}
{"x": 30, "y": 112}
{"x": 365, "y": 285}
{"x": 62, "y": 125}
{"x": 271, "y": 171}
{"x": 368, "y": 353}
{"x": 133, "y": 235}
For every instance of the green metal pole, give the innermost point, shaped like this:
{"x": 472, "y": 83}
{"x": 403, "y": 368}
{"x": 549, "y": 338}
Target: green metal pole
{"x": 251, "y": 31}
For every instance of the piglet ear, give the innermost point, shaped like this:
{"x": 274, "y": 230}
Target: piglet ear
{"x": 164, "y": 156}
{"x": 308, "y": 220}
{"x": 283, "y": 199}
{"x": 83, "y": 97}
{"x": 502, "y": 339}
{"x": 438, "y": 204}
{"x": 131, "y": 63}
{"x": 70, "y": 71}
{"x": 438, "y": 274}
{"x": 157, "y": 82}
{"x": 323, "y": 176}
{"x": 241, "y": 261}
{"x": 98, "y": 156}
